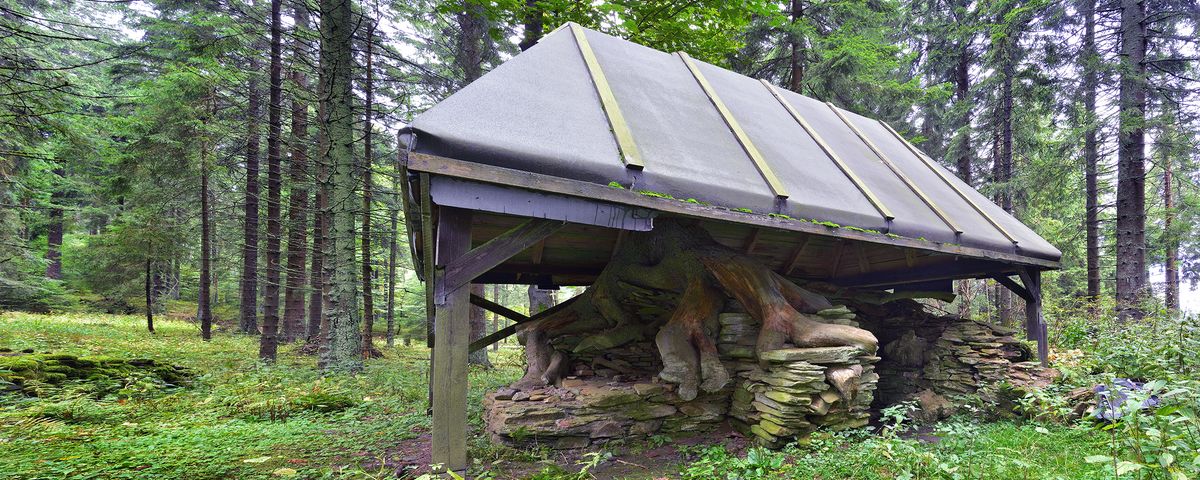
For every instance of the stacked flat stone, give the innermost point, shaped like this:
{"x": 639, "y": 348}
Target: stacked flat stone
{"x": 794, "y": 393}
{"x": 970, "y": 354}
{"x": 593, "y": 410}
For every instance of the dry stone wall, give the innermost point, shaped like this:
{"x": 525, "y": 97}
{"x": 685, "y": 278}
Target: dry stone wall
{"x": 785, "y": 394}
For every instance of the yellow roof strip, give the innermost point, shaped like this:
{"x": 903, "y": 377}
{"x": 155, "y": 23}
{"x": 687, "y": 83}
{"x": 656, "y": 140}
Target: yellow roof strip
{"x": 862, "y": 187}
{"x": 896, "y": 170}
{"x": 629, "y": 151}
{"x": 929, "y": 163}
{"x": 759, "y": 162}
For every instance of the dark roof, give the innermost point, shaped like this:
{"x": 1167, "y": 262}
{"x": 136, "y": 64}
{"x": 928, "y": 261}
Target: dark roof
{"x": 770, "y": 150}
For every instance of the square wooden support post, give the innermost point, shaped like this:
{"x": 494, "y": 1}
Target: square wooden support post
{"x": 1035, "y": 323}
{"x": 452, "y": 335}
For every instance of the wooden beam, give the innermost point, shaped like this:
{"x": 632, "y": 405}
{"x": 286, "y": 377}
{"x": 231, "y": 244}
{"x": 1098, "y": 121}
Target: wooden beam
{"x": 751, "y": 241}
{"x": 535, "y": 255}
{"x": 621, "y": 234}
{"x": 743, "y": 139}
{"x": 1014, "y": 287}
{"x": 965, "y": 268}
{"x": 837, "y": 258}
{"x": 452, "y": 337}
{"x": 428, "y": 252}
{"x": 1035, "y": 322}
{"x": 540, "y": 182}
{"x": 497, "y": 309}
{"x": 796, "y": 256}
{"x": 469, "y": 265}
{"x": 503, "y": 333}
{"x": 864, "y": 265}
{"x": 910, "y": 257}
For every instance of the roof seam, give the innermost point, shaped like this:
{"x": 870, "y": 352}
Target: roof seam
{"x": 628, "y": 149}
{"x": 896, "y": 170}
{"x": 760, "y": 162}
{"x": 929, "y": 164}
{"x": 833, "y": 156}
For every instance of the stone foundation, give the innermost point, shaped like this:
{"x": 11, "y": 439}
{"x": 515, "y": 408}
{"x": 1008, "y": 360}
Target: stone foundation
{"x": 785, "y": 394}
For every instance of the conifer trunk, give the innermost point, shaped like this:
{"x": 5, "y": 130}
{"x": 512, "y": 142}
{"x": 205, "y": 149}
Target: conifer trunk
{"x": 1171, "y": 263}
{"x": 269, "y": 342}
{"x": 204, "y": 297}
{"x": 478, "y": 321}
{"x": 149, "y": 297}
{"x": 368, "y": 296}
{"x": 54, "y": 231}
{"x": 534, "y": 25}
{"x": 393, "y": 254}
{"x": 293, "y": 300}
{"x": 1131, "y": 167}
{"x": 342, "y": 351}
{"x": 1091, "y": 59}
{"x": 798, "y": 53}
{"x": 248, "y": 313}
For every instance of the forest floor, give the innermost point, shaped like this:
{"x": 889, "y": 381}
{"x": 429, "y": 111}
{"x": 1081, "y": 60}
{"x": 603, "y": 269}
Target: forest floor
{"x": 238, "y": 418}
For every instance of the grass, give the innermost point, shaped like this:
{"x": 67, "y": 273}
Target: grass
{"x": 240, "y": 418}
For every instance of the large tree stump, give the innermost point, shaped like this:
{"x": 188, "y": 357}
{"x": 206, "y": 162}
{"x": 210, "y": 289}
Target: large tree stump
{"x": 670, "y": 283}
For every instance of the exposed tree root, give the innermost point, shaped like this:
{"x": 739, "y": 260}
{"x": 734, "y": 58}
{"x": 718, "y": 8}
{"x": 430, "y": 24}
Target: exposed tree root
{"x": 672, "y": 282}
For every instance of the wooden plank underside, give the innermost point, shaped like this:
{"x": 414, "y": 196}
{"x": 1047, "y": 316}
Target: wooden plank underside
{"x": 538, "y": 182}
{"x": 487, "y": 197}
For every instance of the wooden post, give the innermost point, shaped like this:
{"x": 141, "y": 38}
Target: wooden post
{"x": 1035, "y": 323}
{"x": 452, "y": 335}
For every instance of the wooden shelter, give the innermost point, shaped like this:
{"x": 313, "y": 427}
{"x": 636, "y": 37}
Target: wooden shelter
{"x": 535, "y": 173}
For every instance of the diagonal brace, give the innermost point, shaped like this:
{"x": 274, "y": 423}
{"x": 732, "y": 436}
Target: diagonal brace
{"x": 503, "y": 333}
{"x": 483, "y": 258}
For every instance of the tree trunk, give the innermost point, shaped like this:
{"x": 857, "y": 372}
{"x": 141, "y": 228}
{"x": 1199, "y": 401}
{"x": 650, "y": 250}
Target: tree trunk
{"x": 962, "y": 148}
{"x": 1171, "y": 264}
{"x": 149, "y": 297}
{"x": 798, "y": 52}
{"x": 203, "y": 306}
{"x": 248, "y": 315}
{"x": 293, "y": 297}
{"x": 496, "y": 316}
{"x": 269, "y": 343}
{"x": 54, "y": 231}
{"x": 679, "y": 275}
{"x": 1131, "y": 167}
{"x": 393, "y": 257}
{"x": 368, "y": 163}
{"x": 1002, "y": 164}
{"x": 472, "y": 32}
{"x": 534, "y": 25}
{"x": 478, "y": 321}
{"x": 1091, "y": 155}
{"x": 342, "y": 351}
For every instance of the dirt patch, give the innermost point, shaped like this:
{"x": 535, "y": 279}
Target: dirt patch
{"x": 411, "y": 457}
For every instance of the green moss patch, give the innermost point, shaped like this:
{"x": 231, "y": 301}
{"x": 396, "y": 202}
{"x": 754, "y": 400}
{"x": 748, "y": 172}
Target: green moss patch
{"x": 39, "y": 374}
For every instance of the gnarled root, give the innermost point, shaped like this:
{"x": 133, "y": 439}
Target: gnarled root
{"x": 782, "y": 307}
{"x": 688, "y": 353}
